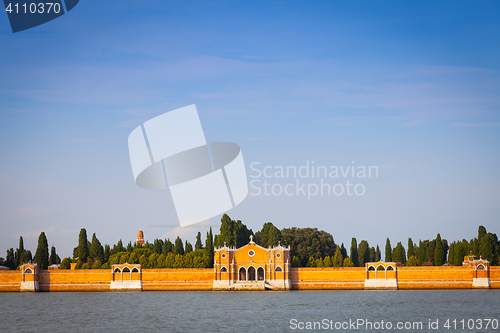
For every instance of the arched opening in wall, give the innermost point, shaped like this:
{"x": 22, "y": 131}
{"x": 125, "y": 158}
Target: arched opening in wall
{"x": 480, "y": 267}
{"x": 251, "y": 273}
{"x": 116, "y": 271}
{"x": 28, "y": 271}
{"x": 223, "y": 270}
{"x": 126, "y": 270}
{"x": 278, "y": 269}
{"x": 243, "y": 274}
{"x": 370, "y": 269}
{"x": 380, "y": 268}
{"x": 260, "y": 274}
{"x": 390, "y": 268}
{"x": 135, "y": 274}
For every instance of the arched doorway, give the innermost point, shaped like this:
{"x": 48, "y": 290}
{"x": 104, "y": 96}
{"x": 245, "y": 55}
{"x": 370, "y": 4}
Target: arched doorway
{"x": 251, "y": 273}
{"x": 243, "y": 274}
{"x": 260, "y": 274}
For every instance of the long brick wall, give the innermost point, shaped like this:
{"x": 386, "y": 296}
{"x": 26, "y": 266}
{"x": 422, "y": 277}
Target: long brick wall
{"x": 310, "y": 278}
{"x": 178, "y": 279}
{"x": 301, "y": 278}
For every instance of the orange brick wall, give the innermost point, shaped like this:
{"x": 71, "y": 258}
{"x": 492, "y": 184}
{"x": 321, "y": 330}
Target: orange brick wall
{"x": 328, "y": 278}
{"x": 495, "y": 277}
{"x": 10, "y": 280}
{"x": 434, "y": 277}
{"x": 178, "y": 279}
{"x": 75, "y": 280}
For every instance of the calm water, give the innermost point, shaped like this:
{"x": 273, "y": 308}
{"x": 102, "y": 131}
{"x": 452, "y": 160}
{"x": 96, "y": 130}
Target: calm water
{"x": 240, "y": 311}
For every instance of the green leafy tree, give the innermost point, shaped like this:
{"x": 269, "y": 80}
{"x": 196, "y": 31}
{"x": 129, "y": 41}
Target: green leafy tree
{"x": 487, "y": 248}
{"x": 319, "y": 263}
{"x": 308, "y": 242}
{"x": 348, "y": 262}
{"x": 311, "y": 262}
{"x": 388, "y": 251}
{"x": 295, "y": 261}
{"x": 378, "y": 255}
{"x": 327, "y": 262}
{"x": 10, "y": 260}
{"x": 412, "y": 261}
{"x": 42, "y": 252}
{"x": 97, "y": 265}
{"x": 233, "y": 233}
{"x": 66, "y": 263}
{"x": 86, "y": 266}
{"x": 78, "y": 264}
{"x": 268, "y": 236}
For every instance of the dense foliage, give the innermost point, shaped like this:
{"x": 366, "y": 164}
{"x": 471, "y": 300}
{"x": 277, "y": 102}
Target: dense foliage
{"x": 310, "y": 247}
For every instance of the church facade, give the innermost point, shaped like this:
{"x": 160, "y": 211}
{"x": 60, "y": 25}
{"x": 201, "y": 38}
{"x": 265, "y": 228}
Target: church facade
{"x": 252, "y": 267}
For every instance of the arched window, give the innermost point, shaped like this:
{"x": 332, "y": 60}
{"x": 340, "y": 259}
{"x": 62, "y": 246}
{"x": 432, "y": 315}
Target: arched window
{"x": 390, "y": 268}
{"x": 278, "y": 269}
{"x": 371, "y": 268}
{"x": 260, "y": 274}
{"x": 480, "y": 267}
{"x": 28, "y": 271}
{"x": 251, "y": 273}
{"x": 135, "y": 270}
{"x": 243, "y": 274}
{"x": 380, "y": 268}
{"x": 223, "y": 270}
{"x": 126, "y": 270}
{"x": 117, "y": 270}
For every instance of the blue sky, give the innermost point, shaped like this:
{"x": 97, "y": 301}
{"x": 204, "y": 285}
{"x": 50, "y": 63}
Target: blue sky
{"x": 411, "y": 87}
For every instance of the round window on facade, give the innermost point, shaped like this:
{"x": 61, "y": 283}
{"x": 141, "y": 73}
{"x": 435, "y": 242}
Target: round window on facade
{"x": 278, "y": 255}
{"x": 251, "y": 253}
{"x": 223, "y": 256}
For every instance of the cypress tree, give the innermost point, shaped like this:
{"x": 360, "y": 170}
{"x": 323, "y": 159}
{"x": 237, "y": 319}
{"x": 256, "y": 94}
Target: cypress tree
{"x": 337, "y": 258}
{"x": 421, "y": 252}
{"x": 481, "y": 232}
{"x": 343, "y": 251}
{"x": 438, "y": 252}
{"x": 198, "y": 245}
{"x": 378, "y": 255}
{"x": 42, "y": 252}
{"x": 83, "y": 250}
{"x": 20, "y": 251}
{"x": 53, "y": 255}
{"x": 399, "y": 254}
{"x": 388, "y": 251}
{"x": 96, "y": 249}
{"x": 354, "y": 252}
{"x": 363, "y": 253}
{"x": 168, "y": 247}
{"x": 451, "y": 254}
{"x": 10, "y": 260}
{"x": 295, "y": 261}
{"x": 188, "y": 248}
{"x": 410, "y": 248}
{"x": 178, "y": 248}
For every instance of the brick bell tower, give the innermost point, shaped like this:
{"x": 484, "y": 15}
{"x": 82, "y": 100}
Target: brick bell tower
{"x": 140, "y": 238}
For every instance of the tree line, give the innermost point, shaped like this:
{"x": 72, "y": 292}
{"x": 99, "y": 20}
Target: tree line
{"x": 310, "y": 247}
